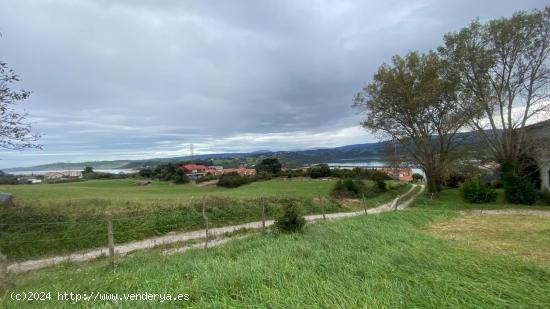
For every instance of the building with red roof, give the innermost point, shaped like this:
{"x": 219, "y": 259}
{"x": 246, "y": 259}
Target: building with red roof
{"x": 193, "y": 170}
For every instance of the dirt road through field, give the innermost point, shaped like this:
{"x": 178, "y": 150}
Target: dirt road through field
{"x": 126, "y": 248}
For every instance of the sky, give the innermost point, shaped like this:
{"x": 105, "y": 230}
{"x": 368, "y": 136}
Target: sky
{"x": 136, "y": 79}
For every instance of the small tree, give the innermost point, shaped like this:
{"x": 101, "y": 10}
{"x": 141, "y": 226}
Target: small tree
{"x": 88, "y": 170}
{"x": 518, "y": 190}
{"x": 475, "y": 191}
{"x": 269, "y": 165}
{"x": 291, "y": 220}
{"x": 319, "y": 171}
{"x": 180, "y": 177}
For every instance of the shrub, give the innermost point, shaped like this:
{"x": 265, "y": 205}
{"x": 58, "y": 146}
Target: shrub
{"x": 381, "y": 186}
{"x": 348, "y": 188}
{"x": 291, "y": 220}
{"x": 454, "y": 180}
{"x": 319, "y": 171}
{"x": 544, "y": 197}
{"x": 475, "y": 191}
{"x": 234, "y": 180}
{"x": 417, "y": 177}
{"x": 180, "y": 177}
{"x": 519, "y": 190}
{"x": 206, "y": 177}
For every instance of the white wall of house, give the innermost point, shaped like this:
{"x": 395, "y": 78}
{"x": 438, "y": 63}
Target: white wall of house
{"x": 545, "y": 175}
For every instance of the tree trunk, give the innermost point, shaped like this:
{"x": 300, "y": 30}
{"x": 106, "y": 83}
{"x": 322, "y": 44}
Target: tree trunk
{"x": 433, "y": 181}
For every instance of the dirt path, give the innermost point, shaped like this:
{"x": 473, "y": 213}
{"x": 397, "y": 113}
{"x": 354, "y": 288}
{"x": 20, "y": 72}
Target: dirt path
{"x": 508, "y": 212}
{"x": 126, "y": 248}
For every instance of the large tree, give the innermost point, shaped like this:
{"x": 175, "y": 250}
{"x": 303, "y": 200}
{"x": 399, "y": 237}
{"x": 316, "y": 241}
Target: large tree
{"x": 414, "y": 101}
{"x": 15, "y": 130}
{"x": 504, "y": 73}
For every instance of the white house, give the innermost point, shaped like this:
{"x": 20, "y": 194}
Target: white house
{"x": 539, "y": 134}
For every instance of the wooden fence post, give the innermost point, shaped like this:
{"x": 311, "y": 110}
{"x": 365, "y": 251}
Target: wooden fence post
{"x": 322, "y": 202}
{"x": 205, "y": 222}
{"x": 396, "y": 203}
{"x": 110, "y": 240}
{"x": 263, "y": 202}
{"x": 364, "y": 201}
{"x": 3, "y": 270}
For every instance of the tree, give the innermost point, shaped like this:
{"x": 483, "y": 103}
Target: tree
{"x": 269, "y": 165}
{"x": 88, "y": 170}
{"x": 15, "y": 131}
{"x": 503, "y": 71}
{"x": 414, "y": 102}
{"x": 180, "y": 177}
{"x": 319, "y": 171}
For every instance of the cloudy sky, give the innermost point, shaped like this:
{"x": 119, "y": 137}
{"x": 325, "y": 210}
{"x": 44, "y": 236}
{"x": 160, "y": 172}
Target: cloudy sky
{"x": 134, "y": 79}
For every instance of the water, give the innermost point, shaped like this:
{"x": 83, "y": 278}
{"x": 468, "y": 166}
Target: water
{"x": 370, "y": 164}
{"x": 110, "y": 171}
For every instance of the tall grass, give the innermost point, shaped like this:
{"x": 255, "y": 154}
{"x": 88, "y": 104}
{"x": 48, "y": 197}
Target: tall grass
{"x": 381, "y": 261}
{"x": 30, "y": 232}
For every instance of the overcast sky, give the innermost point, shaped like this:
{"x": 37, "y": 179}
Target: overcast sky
{"x": 139, "y": 79}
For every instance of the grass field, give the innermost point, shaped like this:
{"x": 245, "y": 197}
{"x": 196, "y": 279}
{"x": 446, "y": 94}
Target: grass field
{"x": 500, "y": 234}
{"x": 62, "y": 218}
{"x": 111, "y": 194}
{"x": 377, "y": 261}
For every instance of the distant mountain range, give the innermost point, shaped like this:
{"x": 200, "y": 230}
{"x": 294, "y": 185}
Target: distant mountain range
{"x": 369, "y": 152}
{"x": 349, "y": 153}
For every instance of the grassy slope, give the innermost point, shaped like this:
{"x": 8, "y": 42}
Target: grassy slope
{"x": 80, "y": 224}
{"x": 373, "y": 261}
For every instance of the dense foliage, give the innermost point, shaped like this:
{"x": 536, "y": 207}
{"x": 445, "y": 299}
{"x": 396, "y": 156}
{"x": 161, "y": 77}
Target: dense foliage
{"x": 269, "y": 165}
{"x": 348, "y": 188}
{"x": 166, "y": 172}
{"x": 475, "y": 191}
{"x": 519, "y": 190}
{"x": 417, "y": 177}
{"x": 319, "y": 171}
{"x": 291, "y": 220}
{"x": 234, "y": 180}
{"x": 8, "y": 179}
{"x": 544, "y": 197}
{"x": 361, "y": 173}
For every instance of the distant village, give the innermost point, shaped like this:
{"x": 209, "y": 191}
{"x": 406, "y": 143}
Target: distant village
{"x": 195, "y": 171}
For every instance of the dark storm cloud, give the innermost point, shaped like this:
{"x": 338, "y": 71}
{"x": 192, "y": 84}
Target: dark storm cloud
{"x": 134, "y": 79}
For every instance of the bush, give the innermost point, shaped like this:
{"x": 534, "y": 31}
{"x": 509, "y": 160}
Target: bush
{"x": 206, "y": 177}
{"x": 234, "y": 180}
{"x": 291, "y": 220}
{"x": 180, "y": 177}
{"x": 348, "y": 188}
{"x": 454, "y": 180}
{"x": 381, "y": 186}
{"x": 417, "y": 177}
{"x": 319, "y": 171}
{"x": 544, "y": 197}
{"x": 475, "y": 191}
{"x": 519, "y": 190}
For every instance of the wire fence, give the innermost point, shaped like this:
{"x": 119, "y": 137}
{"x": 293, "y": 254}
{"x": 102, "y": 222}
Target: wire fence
{"x": 32, "y": 239}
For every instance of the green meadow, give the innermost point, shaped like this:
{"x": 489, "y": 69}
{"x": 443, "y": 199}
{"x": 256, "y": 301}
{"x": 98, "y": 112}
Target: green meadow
{"x": 53, "y": 219}
{"x": 387, "y": 260}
